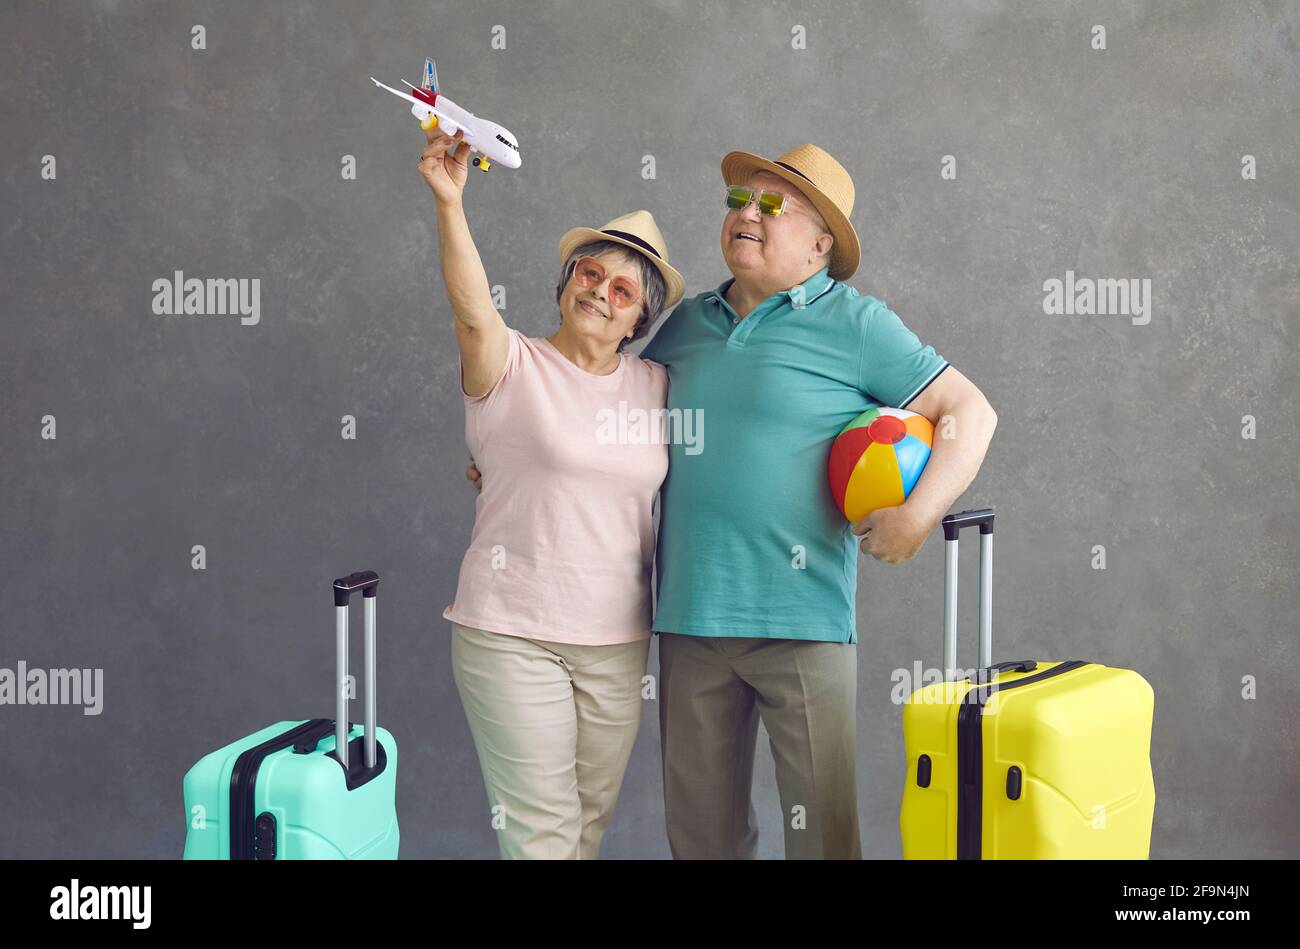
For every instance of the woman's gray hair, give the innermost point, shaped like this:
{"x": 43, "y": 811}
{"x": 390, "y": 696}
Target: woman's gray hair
{"x": 654, "y": 290}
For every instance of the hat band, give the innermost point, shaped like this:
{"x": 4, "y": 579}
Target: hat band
{"x": 633, "y": 238}
{"x": 794, "y": 169}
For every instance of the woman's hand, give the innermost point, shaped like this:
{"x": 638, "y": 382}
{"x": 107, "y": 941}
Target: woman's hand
{"x": 442, "y": 164}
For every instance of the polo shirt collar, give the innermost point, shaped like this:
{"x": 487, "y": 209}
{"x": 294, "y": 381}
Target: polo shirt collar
{"x": 803, "y": 294}
{"x": 800, "y": 295}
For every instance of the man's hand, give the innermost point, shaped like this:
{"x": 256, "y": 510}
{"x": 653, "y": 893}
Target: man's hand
{"x": 474, "y": 475}
{"x": 894, "y": 534}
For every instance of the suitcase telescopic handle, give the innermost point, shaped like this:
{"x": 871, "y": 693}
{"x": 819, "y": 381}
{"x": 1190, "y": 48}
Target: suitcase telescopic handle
{"x": 952, "y": 526}
{"x": 982, "y": 518}
{"x": 367, "y": 581}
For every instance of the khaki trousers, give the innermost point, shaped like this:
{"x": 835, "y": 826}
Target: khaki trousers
{"x": 713, "y": 691}
{"x": 553, "y": 725}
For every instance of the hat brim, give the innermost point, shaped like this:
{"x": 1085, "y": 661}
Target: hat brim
{"x": 846, "y": 253}
{"x": 674, "y": 283}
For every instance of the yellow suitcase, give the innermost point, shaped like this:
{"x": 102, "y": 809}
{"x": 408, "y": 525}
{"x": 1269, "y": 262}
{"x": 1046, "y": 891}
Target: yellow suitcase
{"x": 1024, "y": 760}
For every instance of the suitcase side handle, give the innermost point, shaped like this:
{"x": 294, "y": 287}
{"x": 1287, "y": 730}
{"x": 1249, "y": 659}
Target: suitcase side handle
{"x": 952, "y": 525}
{"x": 367, "y": 581}
{"x": 1014, "y": 665}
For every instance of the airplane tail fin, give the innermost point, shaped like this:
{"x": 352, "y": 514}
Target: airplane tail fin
{"x": 430, "y": 80}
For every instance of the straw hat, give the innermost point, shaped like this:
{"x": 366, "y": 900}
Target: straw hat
{"x": 638, "y": 231}
{"x": 823, "y": 181}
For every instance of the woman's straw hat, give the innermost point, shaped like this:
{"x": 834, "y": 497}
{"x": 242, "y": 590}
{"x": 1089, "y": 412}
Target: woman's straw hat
{"x": 638, "y": 231}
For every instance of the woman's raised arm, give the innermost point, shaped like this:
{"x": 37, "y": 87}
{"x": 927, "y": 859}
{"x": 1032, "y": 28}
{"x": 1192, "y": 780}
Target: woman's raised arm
{"x": 480, "y": 332}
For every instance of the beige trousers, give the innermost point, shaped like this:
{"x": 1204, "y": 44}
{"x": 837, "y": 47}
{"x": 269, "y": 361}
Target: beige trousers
{"x": 554, "y": 725}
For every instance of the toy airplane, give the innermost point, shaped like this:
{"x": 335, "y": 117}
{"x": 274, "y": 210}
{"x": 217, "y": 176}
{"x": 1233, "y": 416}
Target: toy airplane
{"x": 435, "y": 110}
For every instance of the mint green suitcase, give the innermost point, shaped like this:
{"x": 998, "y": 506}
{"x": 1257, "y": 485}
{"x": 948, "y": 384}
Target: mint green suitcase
{"x": 285, "y": 793}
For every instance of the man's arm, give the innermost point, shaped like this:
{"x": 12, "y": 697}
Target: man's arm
{"x": 958, "y": 409}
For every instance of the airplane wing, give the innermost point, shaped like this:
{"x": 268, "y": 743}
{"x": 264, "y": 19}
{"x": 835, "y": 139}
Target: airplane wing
{"x": 398, "y": 92}
{"x": 420, "y": 102}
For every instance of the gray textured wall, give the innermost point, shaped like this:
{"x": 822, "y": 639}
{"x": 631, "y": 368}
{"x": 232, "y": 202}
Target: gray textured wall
{"x": 225, "y": 162}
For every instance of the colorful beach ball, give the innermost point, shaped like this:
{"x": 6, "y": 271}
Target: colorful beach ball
{"x": 877, "y": 458}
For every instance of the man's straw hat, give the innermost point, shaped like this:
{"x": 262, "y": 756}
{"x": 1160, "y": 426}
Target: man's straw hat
{"x": 820, "y": 179}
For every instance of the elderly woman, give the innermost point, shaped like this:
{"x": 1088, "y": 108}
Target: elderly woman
{"x": 551, "y": 623}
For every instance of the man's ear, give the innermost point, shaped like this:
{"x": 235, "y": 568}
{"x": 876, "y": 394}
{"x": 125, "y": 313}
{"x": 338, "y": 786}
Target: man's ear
{"x": 824, "y": 245}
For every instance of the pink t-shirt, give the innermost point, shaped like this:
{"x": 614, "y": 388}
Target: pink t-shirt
{"x": 563, "y": 541}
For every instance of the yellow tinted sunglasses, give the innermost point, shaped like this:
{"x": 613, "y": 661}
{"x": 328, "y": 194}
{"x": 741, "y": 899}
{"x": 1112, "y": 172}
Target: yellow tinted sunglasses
{"x": 770, "y": 203}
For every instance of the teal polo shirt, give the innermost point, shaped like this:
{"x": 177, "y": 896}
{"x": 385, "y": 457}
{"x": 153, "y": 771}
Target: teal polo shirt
{"x": 750, "y": 540}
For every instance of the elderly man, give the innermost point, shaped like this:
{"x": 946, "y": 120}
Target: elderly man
{"x": 757, "y": 567}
